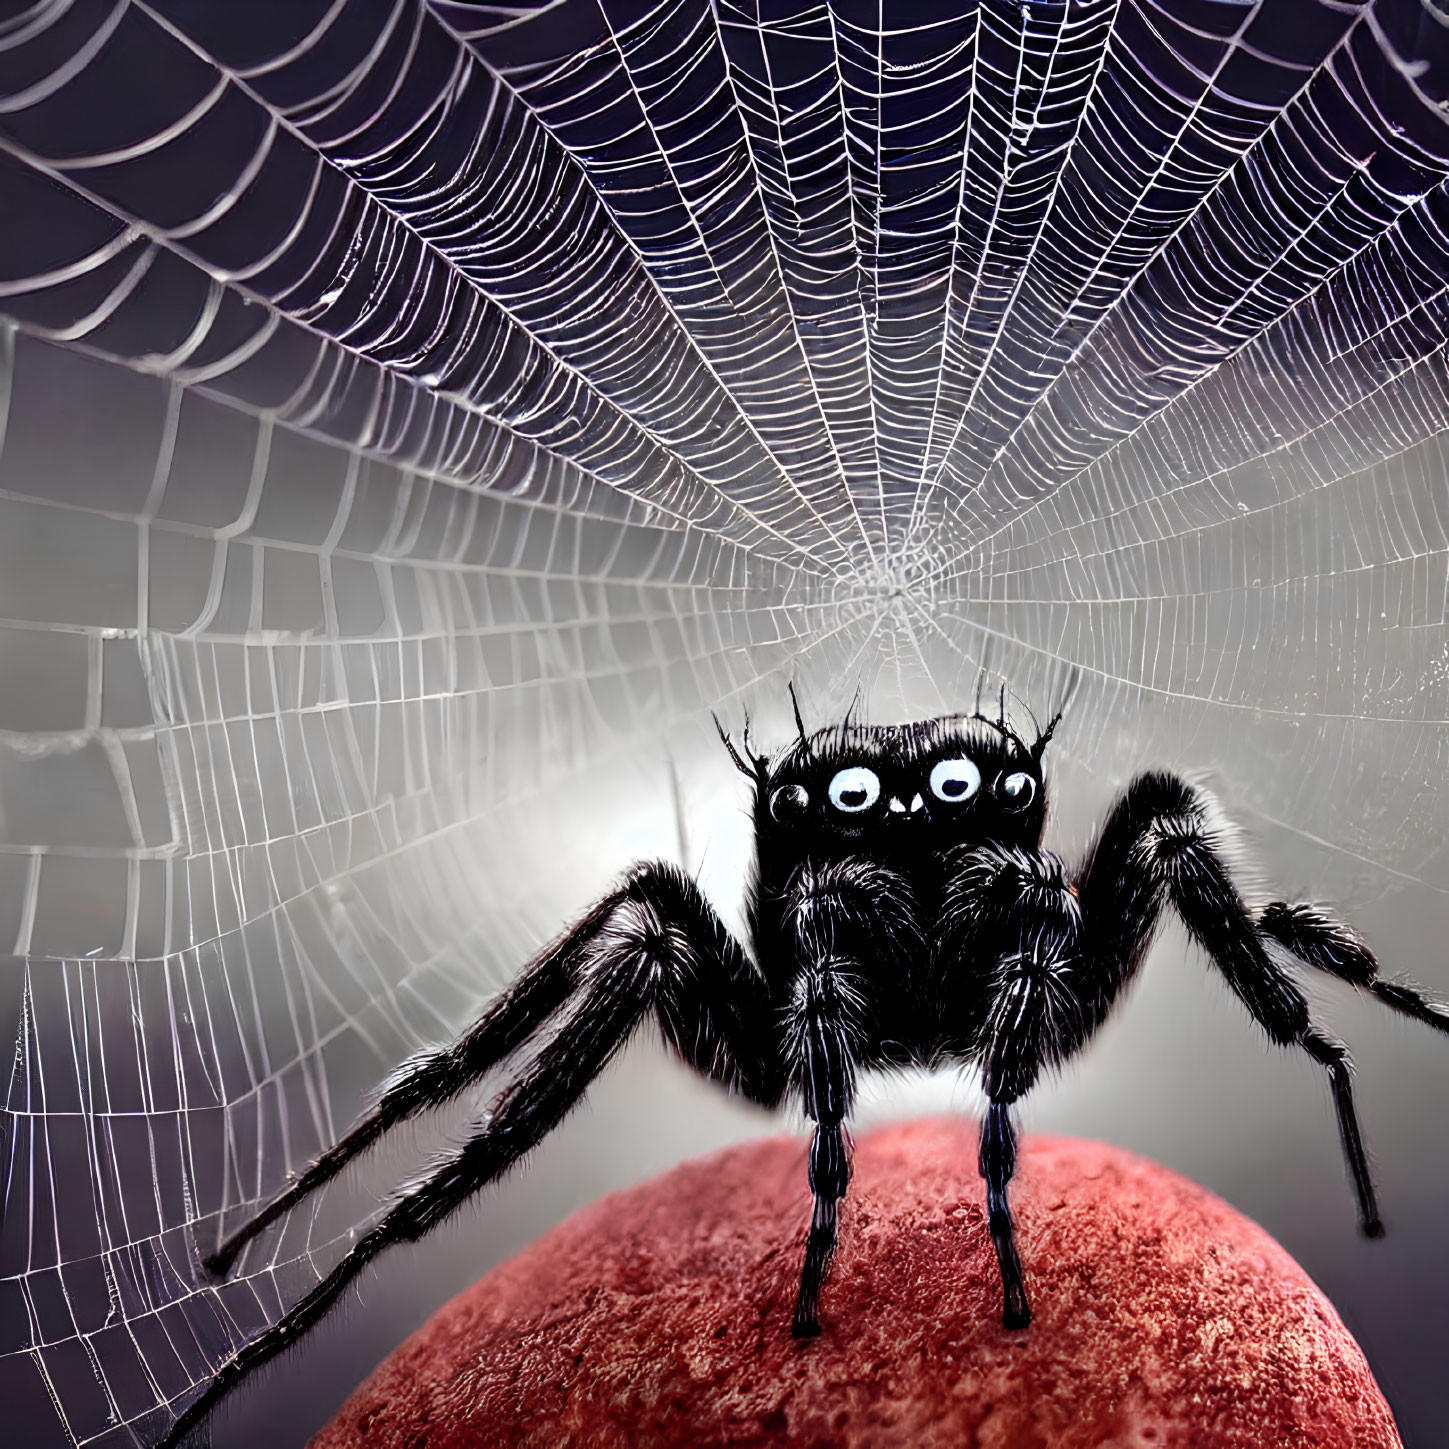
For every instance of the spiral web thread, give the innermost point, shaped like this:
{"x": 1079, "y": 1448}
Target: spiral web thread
{"x": 408, "y": 410}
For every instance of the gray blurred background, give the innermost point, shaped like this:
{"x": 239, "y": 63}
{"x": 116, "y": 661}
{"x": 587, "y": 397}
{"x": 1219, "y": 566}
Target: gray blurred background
{"x": 417, "y": 417}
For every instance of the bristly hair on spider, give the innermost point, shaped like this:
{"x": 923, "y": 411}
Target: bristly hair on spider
{"x": 901, "y": 911}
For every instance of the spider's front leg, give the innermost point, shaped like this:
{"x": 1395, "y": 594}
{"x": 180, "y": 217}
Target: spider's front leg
{"x": 847, "y": 925}
{"x": 654, "y": 943}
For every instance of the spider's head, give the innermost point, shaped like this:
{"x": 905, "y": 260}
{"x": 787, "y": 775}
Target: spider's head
{"x": 891, "y": 791}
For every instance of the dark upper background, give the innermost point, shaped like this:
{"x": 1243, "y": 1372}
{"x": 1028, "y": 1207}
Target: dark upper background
{"x": 414, "y": 418}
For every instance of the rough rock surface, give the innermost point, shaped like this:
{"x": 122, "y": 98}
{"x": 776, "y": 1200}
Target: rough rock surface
{"x": 660, "y": 1316}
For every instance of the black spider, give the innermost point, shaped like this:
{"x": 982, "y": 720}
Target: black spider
{"x": 902, "y": 912}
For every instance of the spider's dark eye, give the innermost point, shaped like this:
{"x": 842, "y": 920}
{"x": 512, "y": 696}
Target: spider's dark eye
{"x": 1017, "y": 790}
{"x": 789, "y": 801}
{"x": 854, "y": 789}
{"x": 955, "y": 780}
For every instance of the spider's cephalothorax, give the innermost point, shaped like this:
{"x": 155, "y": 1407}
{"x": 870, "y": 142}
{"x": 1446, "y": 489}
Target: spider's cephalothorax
{"x": 856, "y": 814}
{"x": 901, "y": 795}
{"x": 902, "y": 911}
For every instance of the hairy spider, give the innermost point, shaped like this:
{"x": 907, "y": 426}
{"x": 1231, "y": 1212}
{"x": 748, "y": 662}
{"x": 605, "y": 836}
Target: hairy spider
{"x": 902, "y": 912}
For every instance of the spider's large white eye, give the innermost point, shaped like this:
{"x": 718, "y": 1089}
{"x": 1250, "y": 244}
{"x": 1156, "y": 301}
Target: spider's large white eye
{"x": 1017, "y": 790}
{"x": 955, "y": 780}
{"x": 855, "y": 789}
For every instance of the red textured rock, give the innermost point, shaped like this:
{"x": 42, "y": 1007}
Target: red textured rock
{"x": 660, "y": 1316}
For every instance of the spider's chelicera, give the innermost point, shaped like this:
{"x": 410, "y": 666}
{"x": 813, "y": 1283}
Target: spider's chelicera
{"x": 902, "y": 912}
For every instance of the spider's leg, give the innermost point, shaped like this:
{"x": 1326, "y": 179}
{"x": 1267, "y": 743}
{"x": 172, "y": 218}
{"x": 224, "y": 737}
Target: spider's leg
{"x": 1322, "y": 941}
{"x": 1015, "y": 994}
{"x": 840, "y": 918}
{"x": 996, "y": 1161}
{"x": 827, "y": 1025}
{"x": 1165, "y": 842}
{"x": 436, "y": 1077}
{"x": 657, "y": 945}
{"x": 522, "y": 1116}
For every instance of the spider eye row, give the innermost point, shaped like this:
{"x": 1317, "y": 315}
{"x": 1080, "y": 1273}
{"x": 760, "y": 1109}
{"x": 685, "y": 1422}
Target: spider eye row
{"x": 856, "y": 788}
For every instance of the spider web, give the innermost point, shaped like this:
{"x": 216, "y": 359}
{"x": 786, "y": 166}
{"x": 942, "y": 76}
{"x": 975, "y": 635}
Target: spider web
{"x": 415, "y": 418}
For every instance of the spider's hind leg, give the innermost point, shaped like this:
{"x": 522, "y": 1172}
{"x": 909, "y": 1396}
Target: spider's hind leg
{"x": 521, "y": 1117}
{"x": 654, "y": 944}
{"x": 711, "y": 1008}
{"x": 434, "y": 1078}
{"x": 1322, "y": 941}
{"x": 1166, "y": 842}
